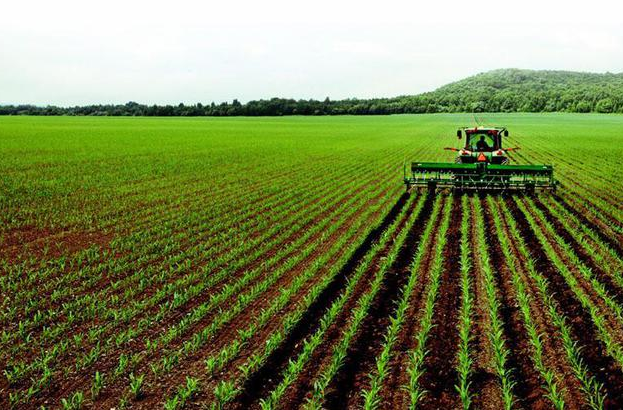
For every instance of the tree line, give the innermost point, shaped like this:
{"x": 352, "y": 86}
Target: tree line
{"x": 508, "y": 90}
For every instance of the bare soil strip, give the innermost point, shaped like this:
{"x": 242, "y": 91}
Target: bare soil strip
{"x": 485, "y": 382}
{"x": 392, "y": 392}
{"x": 529, "y": 387}
{"x": 594, "y": 354}
{"x": 262, "y": 382}
{"x": 554, "y": 354}
{"x": 296, "y": 394}
{"x": 353, "y": 376}
{"x": 614, "y": 289}
{"x": 597, "y": 226}
{"x": 441, "y": 376}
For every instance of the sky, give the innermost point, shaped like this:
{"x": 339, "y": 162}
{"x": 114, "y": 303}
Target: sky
{"x": 79, "y": 52}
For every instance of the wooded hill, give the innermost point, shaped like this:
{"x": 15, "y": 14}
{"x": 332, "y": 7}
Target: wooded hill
{"x": 505, "y": 90}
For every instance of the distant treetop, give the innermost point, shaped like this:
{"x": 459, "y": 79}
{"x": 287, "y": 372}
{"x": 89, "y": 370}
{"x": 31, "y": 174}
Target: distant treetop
{"x": 505, "y": 90}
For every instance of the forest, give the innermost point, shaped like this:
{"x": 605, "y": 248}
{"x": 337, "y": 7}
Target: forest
{"x": 505, "y": 90}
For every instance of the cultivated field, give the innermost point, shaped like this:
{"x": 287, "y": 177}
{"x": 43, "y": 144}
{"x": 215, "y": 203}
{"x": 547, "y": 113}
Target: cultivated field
{"x": 277, "y": 262}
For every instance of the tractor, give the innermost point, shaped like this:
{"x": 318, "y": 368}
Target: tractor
{"x": 481, "y": 164}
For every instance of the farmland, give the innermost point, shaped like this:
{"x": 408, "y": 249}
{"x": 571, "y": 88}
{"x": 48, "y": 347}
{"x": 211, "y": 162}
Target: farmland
{"x": 277, "y": 263}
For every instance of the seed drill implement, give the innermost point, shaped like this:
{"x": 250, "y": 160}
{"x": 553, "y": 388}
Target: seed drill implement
{"x": 481, "y": 164}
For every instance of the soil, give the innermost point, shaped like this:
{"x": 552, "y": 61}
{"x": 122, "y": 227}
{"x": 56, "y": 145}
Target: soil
{"x": 304, "y": 384}
{"x": 613, "y": 288}
{"x": 264, "y": 380}
{"x": 485, "y": 382}
{"x": 554, "y": 355}
{"x": 599, "y": 227}
{"x": 593, "y": 352}
{"x": 528, "y": 388}
{"x": 344, "y": 391}
{"x": 393, "y": 394}
{"x": 33, "y": 241}
{"x": 441, "y": 377}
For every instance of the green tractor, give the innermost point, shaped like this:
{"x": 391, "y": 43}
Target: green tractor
{"x": 481, "y": 165}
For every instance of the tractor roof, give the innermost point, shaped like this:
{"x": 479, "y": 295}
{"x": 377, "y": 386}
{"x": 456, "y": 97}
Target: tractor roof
{"x": 482, "y": 129}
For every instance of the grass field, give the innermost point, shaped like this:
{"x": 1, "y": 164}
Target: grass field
{"x": 277, "y": 262}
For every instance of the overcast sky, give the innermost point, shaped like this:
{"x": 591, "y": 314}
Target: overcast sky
{"x": 80, "y": 52}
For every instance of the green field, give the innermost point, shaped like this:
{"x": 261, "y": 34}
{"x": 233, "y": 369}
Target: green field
{"x": 239, "y": 262}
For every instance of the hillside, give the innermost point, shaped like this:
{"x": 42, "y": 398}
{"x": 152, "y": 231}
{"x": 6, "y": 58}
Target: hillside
{"x": 505, "y": 90}
{"x": 533, "y": 91}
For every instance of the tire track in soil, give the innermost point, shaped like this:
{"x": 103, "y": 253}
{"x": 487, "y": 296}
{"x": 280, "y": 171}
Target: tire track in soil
{"x": 528, "y": 386}
{"x": 392, "y": 393}
{"x": 110, "y": 361}
{"x": 263, "y": 381}
{"x": 596, "y": 226}
{"x": 113, "y": 389}
{"x": 297, "y": 392}
{"x": 484, "y": 379}
{"x": 614, "y": 290}
{"x": 441, "y": 376}
{"x": 604, "y": 217}
{"x": 594, "y": 354}
{"x": 554, "y": 354}
{"x": 606, "y": 311}
{"x": 343, "y": 392}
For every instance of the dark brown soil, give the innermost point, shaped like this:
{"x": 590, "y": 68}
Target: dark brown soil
{"x": 262, "y": 382}
{"x": 304, "y": 384}
{"x": 554, "y": 355}
{"x": 614, "y": 289}
{"x": 485, "y": 381}
{"x": 392, "y": 392}
{"x": 441, "y": 377}
{"x": 31, "y": 240}
{"x": 597, "y": 226}
{"x": 344, "y": 390}
{"x": 593, "y": 352}
{"x": 528, "y": 387}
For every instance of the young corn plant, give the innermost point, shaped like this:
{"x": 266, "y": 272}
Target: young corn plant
{"x": 593, "y": 390}
{"x": 415, "y": 368}
{"x": 74, "y": 402}
{"x": 496, "y": 335}
{"x": 136, "y": 384}
{"x": 465, "y": 360}
{"x": 551, "y": 386}
{"x": 372, "y": 398}
{"x": 310, "y": 344}
{"x": 360, "y": 312}
{"x": 98, "y": 384}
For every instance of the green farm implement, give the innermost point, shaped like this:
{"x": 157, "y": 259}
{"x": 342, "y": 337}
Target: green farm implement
{"x": 481, "y": 165}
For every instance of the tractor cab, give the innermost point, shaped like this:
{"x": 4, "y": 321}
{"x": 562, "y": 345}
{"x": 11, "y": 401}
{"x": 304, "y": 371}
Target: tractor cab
{"x": 482, "y": 145}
